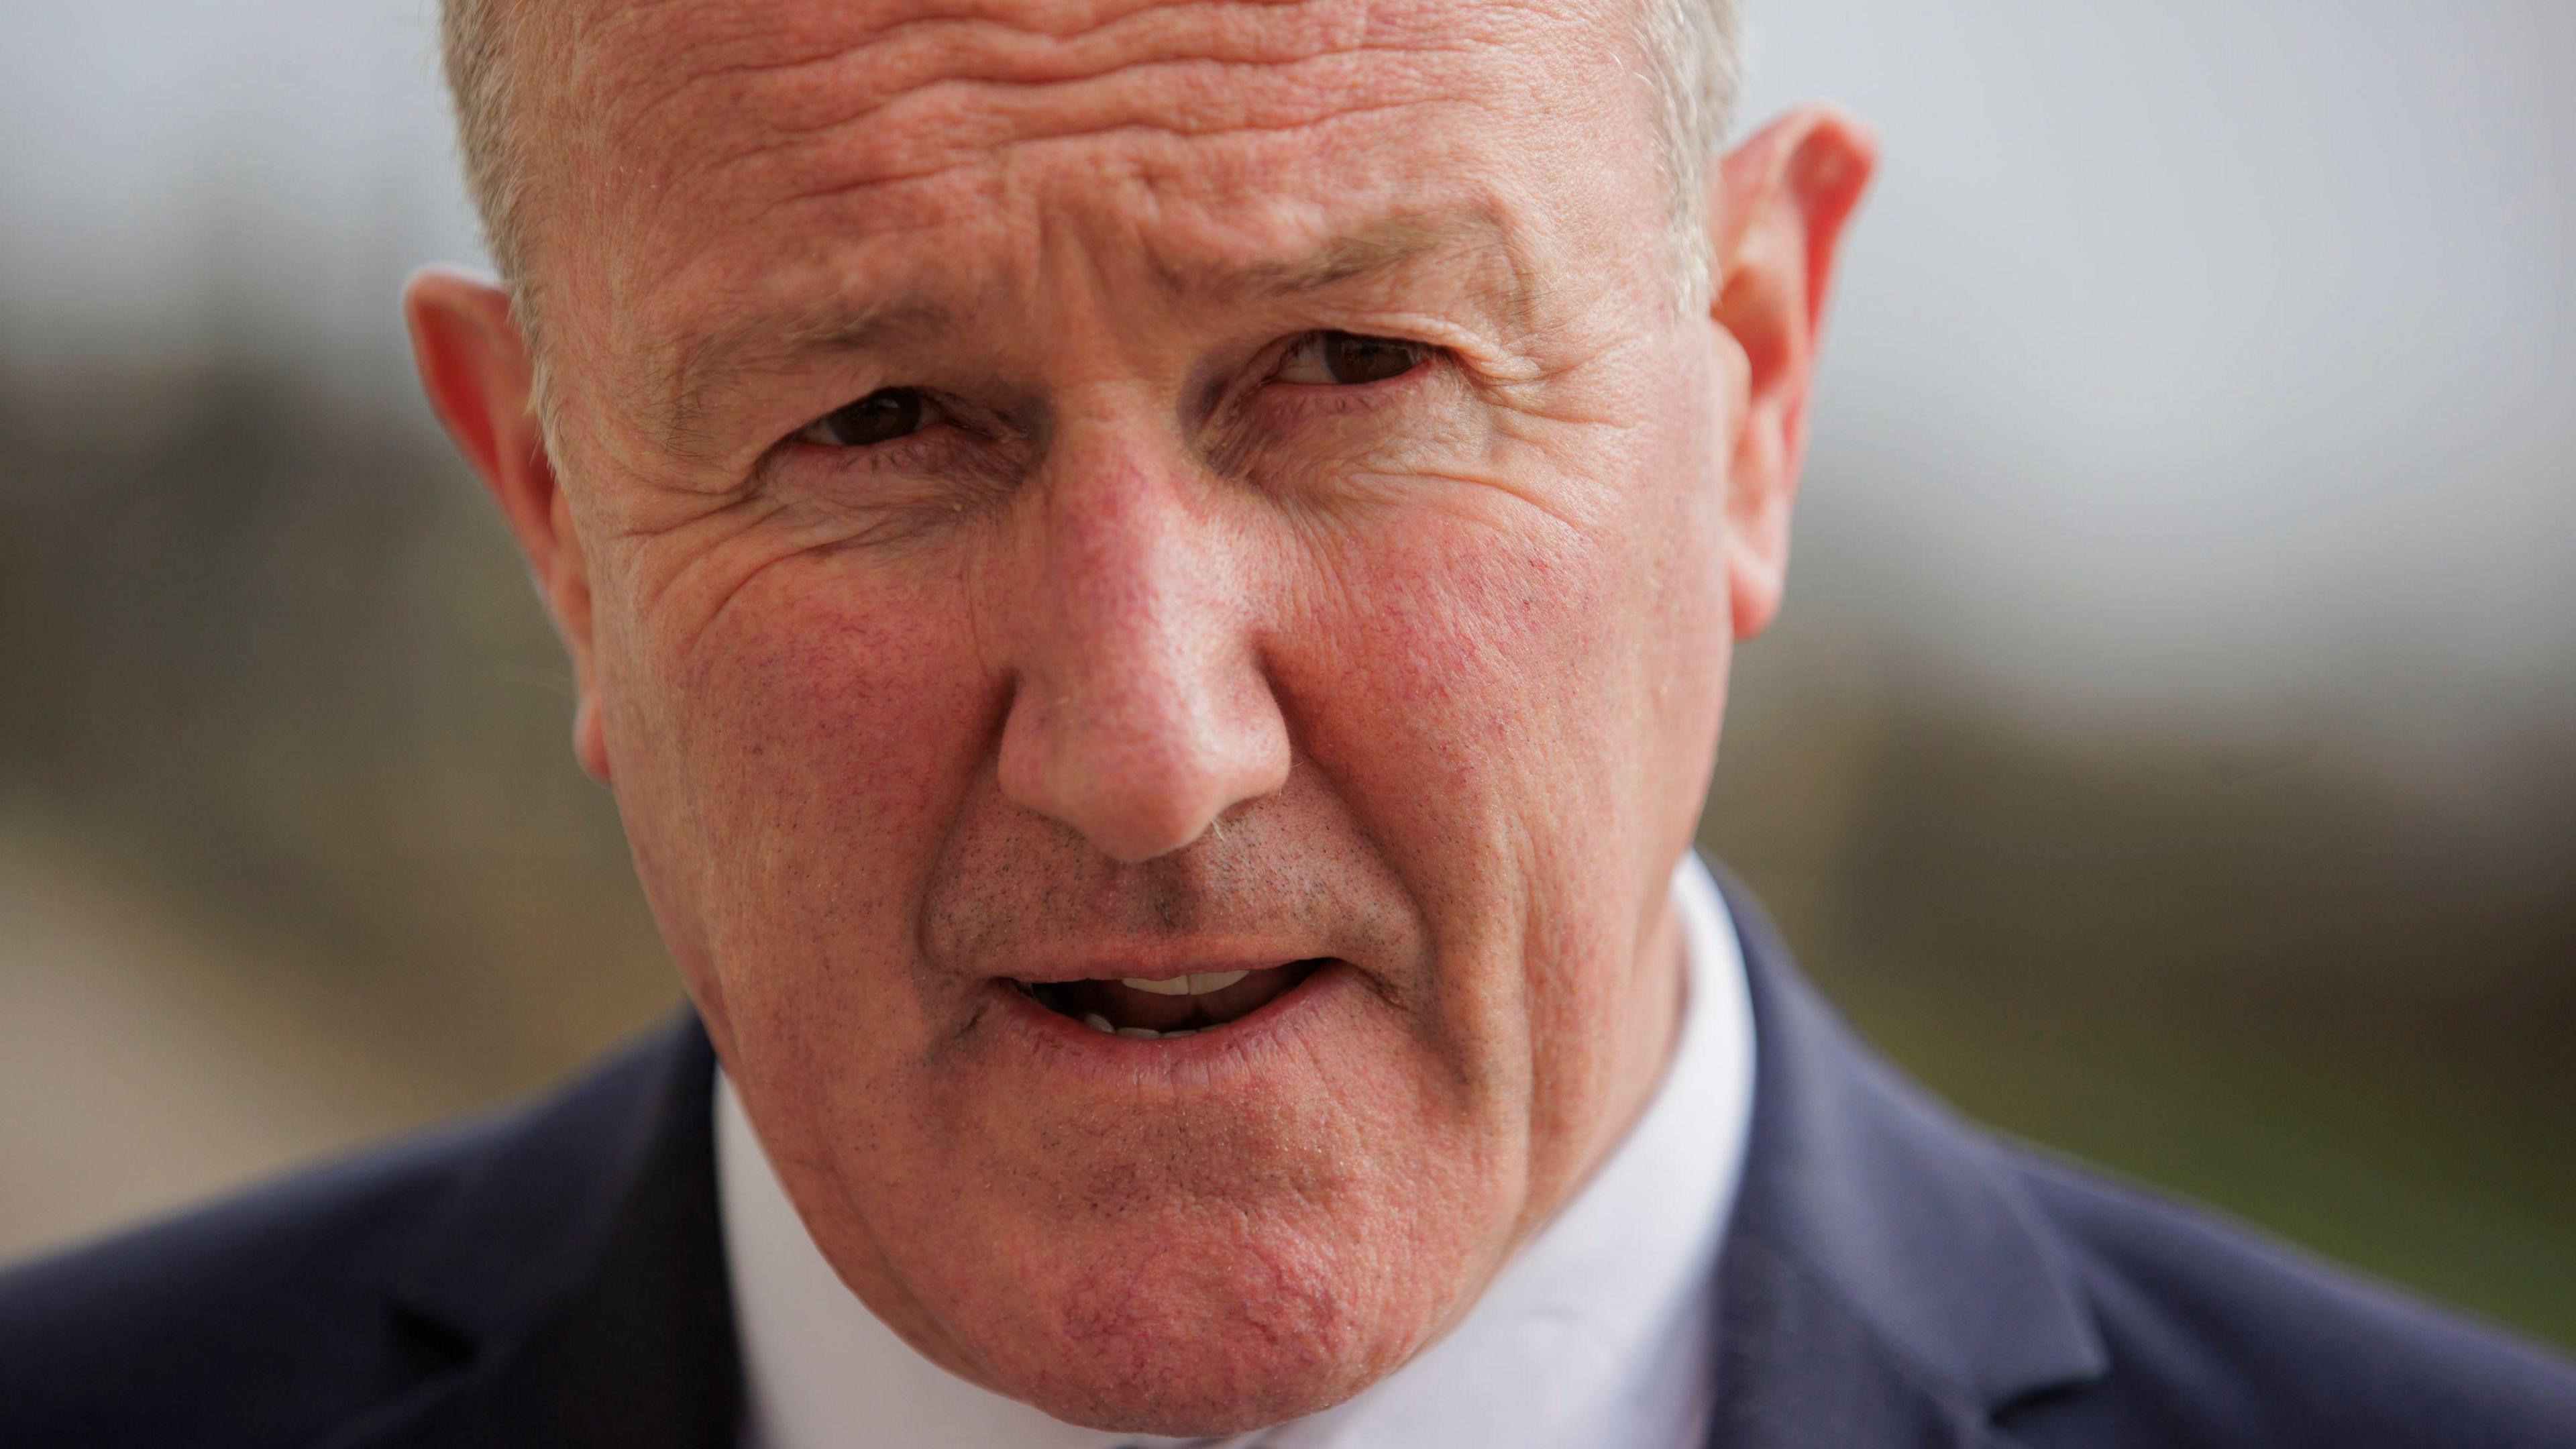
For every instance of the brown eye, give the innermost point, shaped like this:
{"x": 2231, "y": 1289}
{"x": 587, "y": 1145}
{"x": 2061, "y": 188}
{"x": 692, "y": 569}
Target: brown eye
{"x": 1346, "y": 359}
{"x": 882, "y": 416}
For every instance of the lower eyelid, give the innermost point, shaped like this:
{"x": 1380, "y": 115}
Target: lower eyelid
{"x": 897, "y": 456}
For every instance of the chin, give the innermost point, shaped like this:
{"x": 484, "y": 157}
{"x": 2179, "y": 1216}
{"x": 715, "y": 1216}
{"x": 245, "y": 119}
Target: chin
{"x": 1208, "y": 1349}
{"x": 1198, "y": 1318}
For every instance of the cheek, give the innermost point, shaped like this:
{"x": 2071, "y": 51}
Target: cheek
{"x": 1459, "y": 685}
{"x": 1499, "y": 683}
{"x": 812, "y": 726}
{"x": 1518, "y": 707}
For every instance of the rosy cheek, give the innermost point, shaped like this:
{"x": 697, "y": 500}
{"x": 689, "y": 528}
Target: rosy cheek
{"x": 1466, "y": 637}
{"x": 822, "y": 719}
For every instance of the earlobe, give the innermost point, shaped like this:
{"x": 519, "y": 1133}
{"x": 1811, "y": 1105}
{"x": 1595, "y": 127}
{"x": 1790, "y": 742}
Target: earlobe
{"x": 590, "y": 736}
{"x": 1778, "y": 211}
{"x": 475, "y": 367}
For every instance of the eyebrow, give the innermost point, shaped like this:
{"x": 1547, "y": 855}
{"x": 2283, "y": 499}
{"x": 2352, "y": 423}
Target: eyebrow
{"x": 776, "y": 340}
{"x": 1384, "y": 246}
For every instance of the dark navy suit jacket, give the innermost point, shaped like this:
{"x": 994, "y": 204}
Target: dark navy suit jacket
{"x": 1891, "y": 1277}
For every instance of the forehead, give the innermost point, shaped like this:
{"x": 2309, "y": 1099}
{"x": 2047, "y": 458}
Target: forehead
{"x": 739, "y": 149}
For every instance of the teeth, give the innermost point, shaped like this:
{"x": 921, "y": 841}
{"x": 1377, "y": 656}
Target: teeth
{"x": 1141, "y": 1033}
{"x": 1184, "y": 1031}
{"x": 1199, "y": 985}
{"x": 1097, "y": 1022}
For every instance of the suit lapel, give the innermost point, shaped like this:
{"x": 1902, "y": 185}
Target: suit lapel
{"x": 1797, "y": 1370}
{"x": 576, "y": 1274}
{"x": 1885, "y": 1282}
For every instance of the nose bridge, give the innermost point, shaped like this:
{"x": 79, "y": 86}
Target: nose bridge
{"x": 1140, "y": 713}
{"x": 1122, "y": 555}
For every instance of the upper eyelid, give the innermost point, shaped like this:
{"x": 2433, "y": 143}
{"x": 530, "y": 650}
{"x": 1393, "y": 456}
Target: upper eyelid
{"x": 1478, "y": 348}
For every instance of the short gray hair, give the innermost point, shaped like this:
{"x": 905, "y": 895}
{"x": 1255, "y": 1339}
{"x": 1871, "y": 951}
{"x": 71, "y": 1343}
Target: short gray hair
{"x": 1694, "y": 54}
{"x": 1690, "y": 49}
{"x": 476, "y": 39}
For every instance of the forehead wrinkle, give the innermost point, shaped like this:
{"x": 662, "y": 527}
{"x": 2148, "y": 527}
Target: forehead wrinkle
{"x": 880, "y": 99}
{"x": 837, "y": 189}
{"x": 982, "y": 42}
{"x": 825, "y": 65}
{"x": 972, "y": 121}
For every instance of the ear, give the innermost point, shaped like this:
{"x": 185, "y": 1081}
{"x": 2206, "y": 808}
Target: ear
{"x": 1777, "y": 211}
{"x": 475, "y": 366}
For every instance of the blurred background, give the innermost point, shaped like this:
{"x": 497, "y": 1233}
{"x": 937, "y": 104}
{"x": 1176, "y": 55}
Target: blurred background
{"x": 2169, "y": 752}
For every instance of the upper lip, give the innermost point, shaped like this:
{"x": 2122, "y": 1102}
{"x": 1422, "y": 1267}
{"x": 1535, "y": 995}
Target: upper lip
{"x": 1154, "y": 961}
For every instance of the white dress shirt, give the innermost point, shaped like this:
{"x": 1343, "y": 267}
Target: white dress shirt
{"x": 1601, "y": 1330}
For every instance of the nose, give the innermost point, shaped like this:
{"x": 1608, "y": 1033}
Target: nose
{"x": 1140, "y": 712}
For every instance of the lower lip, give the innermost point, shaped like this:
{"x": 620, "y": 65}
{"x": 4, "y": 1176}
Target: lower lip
{"x": 1237, "y": 1045}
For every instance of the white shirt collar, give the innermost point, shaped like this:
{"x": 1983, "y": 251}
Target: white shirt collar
{"x": 1600, "y": 1331}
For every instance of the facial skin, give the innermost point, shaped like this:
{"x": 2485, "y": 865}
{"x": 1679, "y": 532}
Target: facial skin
{"x": 1160, "y": 645}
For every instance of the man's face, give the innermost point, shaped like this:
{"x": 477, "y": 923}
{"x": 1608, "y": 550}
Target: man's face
{"x": 1075, "y": 494}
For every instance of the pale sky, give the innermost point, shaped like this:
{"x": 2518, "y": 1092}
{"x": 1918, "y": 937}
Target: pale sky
{"x": 2197, "y": 358}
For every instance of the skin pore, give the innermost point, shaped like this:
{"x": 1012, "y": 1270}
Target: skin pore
{"x": 1049, "y": 494}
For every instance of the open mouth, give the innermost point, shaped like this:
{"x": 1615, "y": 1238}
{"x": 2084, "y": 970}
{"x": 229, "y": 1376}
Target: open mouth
{"x": 1159, "y": 1008}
